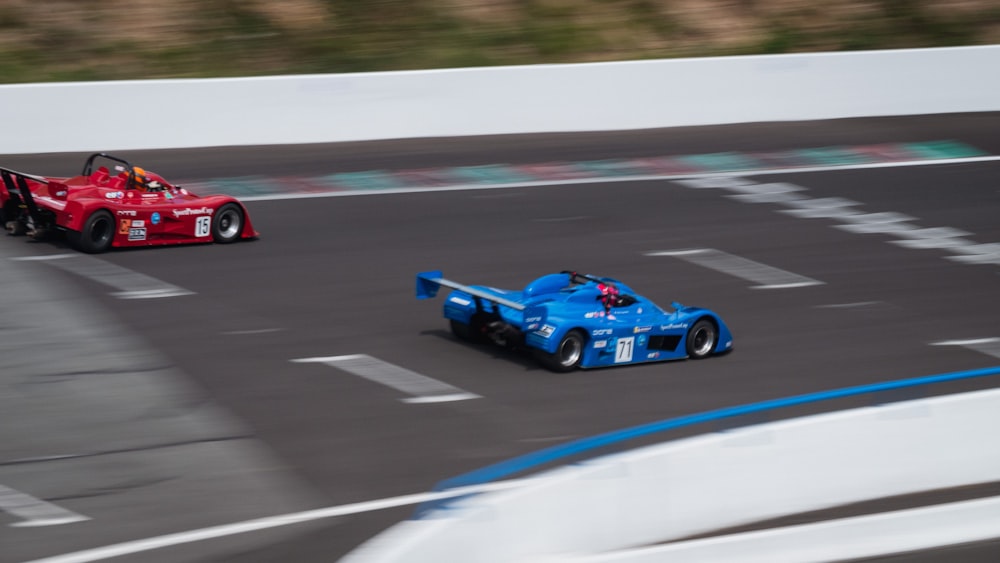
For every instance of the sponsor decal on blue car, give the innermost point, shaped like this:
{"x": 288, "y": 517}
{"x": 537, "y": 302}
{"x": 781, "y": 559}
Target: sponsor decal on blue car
{"x": 546, "y": 331}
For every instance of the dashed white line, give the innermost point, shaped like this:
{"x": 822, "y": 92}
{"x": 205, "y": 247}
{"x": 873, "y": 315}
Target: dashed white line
{"x": 441, "y": 398}
{"x": 806, "y": 283}
{"x": 933, "y": 237}
{"x": 848, "y": 305}
{"x": 35, "y": 512}
{"x": 768, "y": 277}
{"x": 42, "y": 258}
{"x": 852, "y": 219}
{"x": 970, "y": 342}
{"x": 422, "y": 389}
{"x": 825, "y": 207}
{"x": 151, "y": 293}
{"x": 252, "y": 331}
{"x": 130, "y": 284}
{"x": 989, "y": 346}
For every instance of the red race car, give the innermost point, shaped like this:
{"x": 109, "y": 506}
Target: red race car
{"x": 99, "y": 209}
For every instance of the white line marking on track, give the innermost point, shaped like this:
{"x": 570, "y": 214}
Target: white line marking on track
{"x": 35, "y": 512}
{"x": 137, "y": 546}
{"x": 848, "y": 305}
{"x": 130, "y": 284}
{"x": 252, "y": 331}
{"x": 422, "y": 388}
{"x": 151, "y": 293}
{"x": 933, "y": 237}
{"x": 788, "y": 285}
{"x": 617, "y": 179}
{"x": 768, "y": 277}
{"x": 441, "y": 398}
{"x": 40, "y": 258}
{"x": 988, "y": 346}
{"x": 970, "y": 342}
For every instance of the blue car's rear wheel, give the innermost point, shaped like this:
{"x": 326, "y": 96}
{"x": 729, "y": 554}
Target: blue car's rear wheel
{"x": 461, "y": 330}
{"x": 701, "y": 339}
{"x": 471, "y": 332}
{"x": 568, "y": 354}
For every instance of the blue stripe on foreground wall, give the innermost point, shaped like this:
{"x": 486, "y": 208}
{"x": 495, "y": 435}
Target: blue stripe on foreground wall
{"x": 575, "y": 448}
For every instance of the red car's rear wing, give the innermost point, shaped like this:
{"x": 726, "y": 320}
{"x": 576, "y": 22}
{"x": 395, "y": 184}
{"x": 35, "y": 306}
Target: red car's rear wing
{"x": 14, "y": 189}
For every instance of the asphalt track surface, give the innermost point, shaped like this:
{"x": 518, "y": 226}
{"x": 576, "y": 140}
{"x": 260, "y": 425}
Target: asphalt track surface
{"x": 335, "y": 276}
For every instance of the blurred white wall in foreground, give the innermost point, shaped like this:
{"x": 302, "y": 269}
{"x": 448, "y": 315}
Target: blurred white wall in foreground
{"x": 634, "y": 500}
{"x": 155, "y": 114}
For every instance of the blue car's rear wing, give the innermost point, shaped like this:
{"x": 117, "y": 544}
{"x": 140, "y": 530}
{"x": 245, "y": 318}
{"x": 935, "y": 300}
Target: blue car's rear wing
{"x": 428, "y": 284}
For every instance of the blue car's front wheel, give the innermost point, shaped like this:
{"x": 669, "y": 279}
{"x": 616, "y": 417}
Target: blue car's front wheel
{"x": 568, "y": 353}
{"x": 701, "y": 339}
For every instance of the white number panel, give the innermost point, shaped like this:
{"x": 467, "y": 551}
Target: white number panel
{"x": 202, "y": 226}
{"x": 623, "y": 349}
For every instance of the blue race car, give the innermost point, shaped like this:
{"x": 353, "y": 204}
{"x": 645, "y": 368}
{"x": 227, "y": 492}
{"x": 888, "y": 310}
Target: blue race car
{"x": 570, "y": 320}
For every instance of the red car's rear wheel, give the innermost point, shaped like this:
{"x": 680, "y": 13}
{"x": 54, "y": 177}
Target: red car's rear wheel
{"x": 97, "y": 234}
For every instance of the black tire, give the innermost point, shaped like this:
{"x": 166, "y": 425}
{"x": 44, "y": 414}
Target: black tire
{"x": 9, "y": 218}
{"x": 97, "y": 234}
{"x": 227, "y": 224}
{"x": 568, "y": 354}
{"x": 702, "y": 339}
{"x": 461, "y": 330}
{"x": 471, "y": 332}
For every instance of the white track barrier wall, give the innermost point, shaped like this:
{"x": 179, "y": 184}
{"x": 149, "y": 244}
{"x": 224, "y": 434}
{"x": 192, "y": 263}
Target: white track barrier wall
{"x": 155, "y": 114}
{"x": 698, "y": 485}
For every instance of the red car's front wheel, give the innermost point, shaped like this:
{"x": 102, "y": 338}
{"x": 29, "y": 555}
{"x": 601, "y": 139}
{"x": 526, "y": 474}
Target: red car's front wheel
{"x": 227, "y": 225}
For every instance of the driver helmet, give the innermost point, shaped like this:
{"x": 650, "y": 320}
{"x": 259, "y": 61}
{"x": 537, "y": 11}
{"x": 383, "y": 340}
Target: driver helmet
{"x": 140, "y": 178}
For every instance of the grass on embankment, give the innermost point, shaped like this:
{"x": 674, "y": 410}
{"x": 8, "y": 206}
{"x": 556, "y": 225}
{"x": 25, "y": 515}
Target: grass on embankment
{"x": 73, "y": 40}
